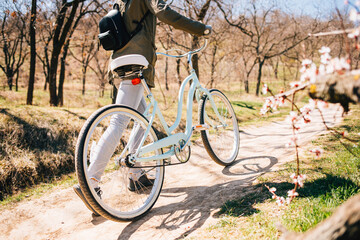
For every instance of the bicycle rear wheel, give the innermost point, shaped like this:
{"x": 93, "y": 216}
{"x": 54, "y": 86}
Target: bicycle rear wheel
{"x": 221, "y": 141}
{"x": 119, "y": 199}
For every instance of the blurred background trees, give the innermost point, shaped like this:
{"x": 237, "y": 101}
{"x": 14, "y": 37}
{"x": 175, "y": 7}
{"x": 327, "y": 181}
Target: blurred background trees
{"x": 45, "y": 45}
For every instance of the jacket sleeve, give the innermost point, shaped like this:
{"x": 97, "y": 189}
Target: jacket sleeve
{"x": 165, "y": 14}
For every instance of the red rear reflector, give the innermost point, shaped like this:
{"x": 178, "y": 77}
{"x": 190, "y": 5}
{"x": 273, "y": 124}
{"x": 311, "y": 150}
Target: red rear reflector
{"x": 136, "y": 81}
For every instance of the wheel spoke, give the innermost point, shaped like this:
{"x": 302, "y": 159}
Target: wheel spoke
{"x": 123, "y": 196}
{"x": 222, "y": 139}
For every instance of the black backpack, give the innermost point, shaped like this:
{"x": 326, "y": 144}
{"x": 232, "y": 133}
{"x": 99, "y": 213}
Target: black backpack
{"x": 113, "y": 33}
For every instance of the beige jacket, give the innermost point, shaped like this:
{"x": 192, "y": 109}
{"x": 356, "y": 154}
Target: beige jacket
{"x": 144, "y": 41}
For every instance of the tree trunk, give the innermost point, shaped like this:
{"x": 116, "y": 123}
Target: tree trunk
{"x": 114, "y": 94}
{"x": 52, "y": 78}
{"x": 261, "y": 64}
{"x": 212, "y": 79}
{"x": 17, "y": 81}
{"x": 178, "y": 71}
{"x": 30, "y": 91}
{"x": 102, "y": 89}
{"x": 246, "y": 85}
{"x": 276, "y": 69}
{"x": 195, "y": 57}
{"x": 63, "y": 27}
{"x": 166, "y": 74}
{"x": 83, "y": 80}
{"x": 46, "y": 67}
{"x": 10, "y": 77}
{"x": 62, "y": 77}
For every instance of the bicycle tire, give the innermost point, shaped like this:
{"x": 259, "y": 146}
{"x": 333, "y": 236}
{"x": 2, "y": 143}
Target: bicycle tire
{"x": 118, "y": 205}
{"x": 222, "y": 144}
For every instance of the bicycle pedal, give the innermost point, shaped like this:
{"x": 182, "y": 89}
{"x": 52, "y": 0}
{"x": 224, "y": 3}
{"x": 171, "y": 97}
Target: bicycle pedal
{"x": 201, "y": 127}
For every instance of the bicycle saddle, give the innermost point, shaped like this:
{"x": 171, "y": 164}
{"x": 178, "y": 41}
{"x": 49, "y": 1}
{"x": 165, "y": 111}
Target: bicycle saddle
{"x": 128, "y": 60}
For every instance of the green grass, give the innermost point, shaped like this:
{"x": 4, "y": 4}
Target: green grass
{"x": 332, "y": 179}
{"x": 35, "y": 192}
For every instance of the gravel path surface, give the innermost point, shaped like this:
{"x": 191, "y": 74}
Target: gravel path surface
{"x": 192, "y": 193}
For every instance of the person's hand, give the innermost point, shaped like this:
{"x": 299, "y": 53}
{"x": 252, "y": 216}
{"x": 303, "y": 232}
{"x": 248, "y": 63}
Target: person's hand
{"x": 207, "y": 31}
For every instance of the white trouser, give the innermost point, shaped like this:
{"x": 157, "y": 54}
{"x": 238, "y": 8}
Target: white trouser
{"x": 129, "y": 95}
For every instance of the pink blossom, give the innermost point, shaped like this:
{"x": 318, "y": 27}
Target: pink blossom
{"x": 354, "y": 34}
{"x": 312, "y": 104}
{"x": 263, "y": 110}
{"x": 317, "y": 152}
{"x": 337, "y": 65}
{"x": 300, "y": 179}
{"x": 308, "y": 71}
{"x": 272, "y": 189}
{"x": 265, "y": 89}
{"x": 325, "y": 58}
{"x": 354, "y": 15}
{"x": 322, "y": 105}
{"x": 293, "y": 116}
{"x": 293, "y": 176}
{"x": 294, "y": 84}
{"x": 322, "y": 69}
{"x": 307, "y": 119}
{"x": 292, "y": 193}
{"x": 280, "y": 201}
{"x": 296, "y": 128}
{"x": 306, "y": 110}
{"x": 282, "y": 101}
{"x": 306, "y": 62}
{"x": 292, "y": 142}
{"x": 324, "y": 50}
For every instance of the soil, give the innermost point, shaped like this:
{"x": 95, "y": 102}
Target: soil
{"x": 191, "y": 196}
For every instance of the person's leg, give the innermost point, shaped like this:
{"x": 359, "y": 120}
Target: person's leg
{"x": 129, "y": 95}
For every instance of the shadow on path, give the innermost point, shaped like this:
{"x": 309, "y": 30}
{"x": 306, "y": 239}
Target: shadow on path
{"x": 197, "y": 204}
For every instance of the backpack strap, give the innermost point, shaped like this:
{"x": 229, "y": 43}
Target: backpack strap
{"x": 116, "y": 6}
{"x": 139, "y": 24}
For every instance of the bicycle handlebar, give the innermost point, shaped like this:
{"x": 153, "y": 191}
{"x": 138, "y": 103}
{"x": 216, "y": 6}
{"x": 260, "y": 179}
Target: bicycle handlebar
{"x": 185, "y": 54}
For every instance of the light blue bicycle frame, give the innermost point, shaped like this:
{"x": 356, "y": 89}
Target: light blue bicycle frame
{"x": 177, "y": 138}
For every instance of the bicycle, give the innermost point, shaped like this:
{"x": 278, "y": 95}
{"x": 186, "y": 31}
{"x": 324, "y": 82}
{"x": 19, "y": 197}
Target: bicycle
{"x": 217, "y": 124}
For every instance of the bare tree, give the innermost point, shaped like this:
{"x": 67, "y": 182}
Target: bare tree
{"x": 101, "y": 70}
{"x": 60, "y": 24}
{"x": 30, "y": 91}
{"x": 88, "y": 50}
{"x": 218, "y": 50}
{"x": 12, "y": 46}
{"x": 165, "y": 43}
{"x": 198, "y": 11}
{"x": 270, "y": 32}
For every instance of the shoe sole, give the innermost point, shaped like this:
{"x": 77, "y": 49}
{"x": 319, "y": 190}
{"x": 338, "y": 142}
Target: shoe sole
{"x": 82, "y": 197}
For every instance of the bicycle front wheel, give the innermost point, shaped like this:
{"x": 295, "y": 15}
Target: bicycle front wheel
{"x": 111, "y": 185}
{"x": 222, "y": 139}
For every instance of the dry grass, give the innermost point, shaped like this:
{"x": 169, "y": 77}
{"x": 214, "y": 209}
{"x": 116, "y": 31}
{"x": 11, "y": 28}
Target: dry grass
{"x": 37, "y": 143}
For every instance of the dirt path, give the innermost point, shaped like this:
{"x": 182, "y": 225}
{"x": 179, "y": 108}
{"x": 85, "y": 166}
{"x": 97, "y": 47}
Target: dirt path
{"x": 192, "y": 193}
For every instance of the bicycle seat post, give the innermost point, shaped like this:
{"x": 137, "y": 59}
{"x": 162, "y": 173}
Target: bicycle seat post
{"x": 146, "y": 87}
